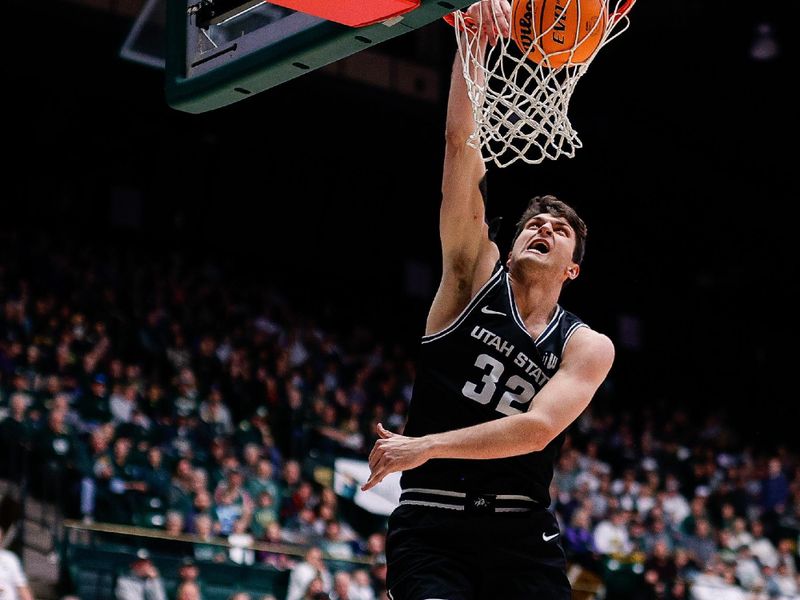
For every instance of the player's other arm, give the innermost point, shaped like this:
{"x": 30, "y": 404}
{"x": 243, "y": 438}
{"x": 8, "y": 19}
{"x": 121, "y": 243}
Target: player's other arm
{"x": 586, "y": 363}
{"x": 468, "y": 255}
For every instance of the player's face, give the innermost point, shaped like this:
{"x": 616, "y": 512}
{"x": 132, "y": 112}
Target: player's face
{"x": 546, "y": 242}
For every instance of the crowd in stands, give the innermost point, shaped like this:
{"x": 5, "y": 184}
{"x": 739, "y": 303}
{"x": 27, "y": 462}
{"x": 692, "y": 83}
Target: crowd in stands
{"x": 168, "y": 395}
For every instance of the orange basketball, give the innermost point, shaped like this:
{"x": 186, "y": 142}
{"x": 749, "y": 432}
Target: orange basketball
{"x": 559, "y": 27}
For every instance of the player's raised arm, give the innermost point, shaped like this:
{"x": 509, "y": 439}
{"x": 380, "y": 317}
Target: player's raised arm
{"x": 468, "y": 255}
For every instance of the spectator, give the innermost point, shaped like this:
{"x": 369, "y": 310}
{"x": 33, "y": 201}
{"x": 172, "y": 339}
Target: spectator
{"x": 261, "y": 481}
{"x": 274, "y": 536}
{"x": 156, "y": 477}
{"x": 762, "y": 548}
{"x": 241, "y": 543}
{"x": 740, "y": 536}
{"x": 203, "y": 548}
{"x": 333, "y": 544}
{"x": 188, "y": 590}
{"x": 232, "y": 502}
{"x": 701, "y": 546}
{"x": 215, "y": 414}
{"x": 123, "y": 405}
{"x": 611, "y": 535}
{"x": 13, "y": 583}
{"x": 307, "y": 571}
{"x": 775, "y": 487}
{"x": 143, "y": 582}
{"x": 341, "y": 586}
{"x": 578, "y": 539}
{"x": 360, "y": 587}
{"x": 675, "y": 505}
{"x": 15, "y": 437}
{"x": 265, "y": 513}
{"x": 170, "y": 544}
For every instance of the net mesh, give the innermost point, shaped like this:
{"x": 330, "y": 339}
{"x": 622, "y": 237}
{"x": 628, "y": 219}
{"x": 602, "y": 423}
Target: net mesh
{"x": 520, "y": 105}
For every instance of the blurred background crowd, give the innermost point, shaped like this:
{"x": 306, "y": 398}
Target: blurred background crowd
{"x": 168, "y": 394}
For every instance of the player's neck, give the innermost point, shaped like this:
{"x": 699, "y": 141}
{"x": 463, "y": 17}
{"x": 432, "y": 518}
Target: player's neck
{"x": 536, "y": 301}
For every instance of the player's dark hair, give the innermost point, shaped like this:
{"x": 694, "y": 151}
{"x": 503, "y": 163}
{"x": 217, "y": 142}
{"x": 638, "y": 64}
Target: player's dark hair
{"x": 555, "y": 207}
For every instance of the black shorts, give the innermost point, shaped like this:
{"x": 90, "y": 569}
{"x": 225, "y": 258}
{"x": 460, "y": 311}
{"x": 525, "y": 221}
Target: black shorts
{"x": 450, "y": 555}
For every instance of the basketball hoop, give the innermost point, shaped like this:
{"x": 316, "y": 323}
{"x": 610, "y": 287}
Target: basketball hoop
{"x": 520, "y": 88}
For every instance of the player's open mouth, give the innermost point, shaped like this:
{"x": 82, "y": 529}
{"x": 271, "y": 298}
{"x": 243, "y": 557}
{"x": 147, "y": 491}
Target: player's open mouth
{"x": 539, "y": 247}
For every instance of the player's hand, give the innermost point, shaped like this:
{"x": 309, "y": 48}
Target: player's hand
{"x": 392, "y": 453}
{"x": 493, "y": 17}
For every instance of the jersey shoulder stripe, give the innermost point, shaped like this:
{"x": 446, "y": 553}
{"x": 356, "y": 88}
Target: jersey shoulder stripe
{"x": 476, "y": 299}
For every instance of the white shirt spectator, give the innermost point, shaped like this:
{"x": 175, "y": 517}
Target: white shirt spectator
{"x": 12, "y": 577}
{"x": 360, "y": 588}
{"x": 305, "y": 572}
{"x": 240, "y": 551}
{"x": 765, "y": 552}
{"x": 130, "y": 587}
{"x": 611, "y": 536}
{"x": 121, "y": 408}
{"x": 748, "y": 572}
{"x": 709, "y": 586}
{"x": 676, "y": 507}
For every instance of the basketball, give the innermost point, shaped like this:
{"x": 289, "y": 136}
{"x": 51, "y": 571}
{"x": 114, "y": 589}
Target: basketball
{"x": 567, "y": 31}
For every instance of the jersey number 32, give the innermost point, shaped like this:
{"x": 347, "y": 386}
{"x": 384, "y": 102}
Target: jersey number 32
{"x": 517, "y": 392}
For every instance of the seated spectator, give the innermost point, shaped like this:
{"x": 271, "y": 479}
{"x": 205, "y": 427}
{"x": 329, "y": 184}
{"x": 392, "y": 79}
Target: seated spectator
{"x": 265, "y": 513}
{"x": 662, "y": 563}
{"x": 251, "y": 454}
{"x": 13, "y": 582}
{"x": 215, "y": 414}
{"x": 360, "y": 587}
{"x": 611, "y": 535}
{"x": 341, "y": 586}
{"x": 261, "y": 481}
{"x": 748, "y": 571}
{"x": 15, "y": 437}
{"x": 273, "y": 535}
{"x": 333, "y": 543}
{"x": 740, "y": 536}
{"x": 188, "y": 590}
{"x": 180, "y": 491}
{"x": 376, "y": 547}
{"x": 304, "y": 573}
{"x": 579, "y": 541}
{"x": 189, "y": 572}
{"x": 170, "y": 545}
{"x": 698, "y": 511}
{"x": 142, "y": 582}
{"x": 232, "y": 502}
{"x": 316, "y": 590}
{"x": 123, "y": 403}
{"x": 202, "y": 550}
{"x": 761, "y": 547}
{"x": 156, "y": 477}
{"x": 300, "y": 529}
{"x": 241, "y": 543}
{"x": 201, "y": 505}
{"x": 701, "y": 546}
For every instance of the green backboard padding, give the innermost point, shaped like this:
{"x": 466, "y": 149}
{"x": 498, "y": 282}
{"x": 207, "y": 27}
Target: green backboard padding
{"x": 318, "y": 44}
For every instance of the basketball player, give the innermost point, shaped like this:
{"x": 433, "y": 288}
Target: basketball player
{"x": 503, "y": 370}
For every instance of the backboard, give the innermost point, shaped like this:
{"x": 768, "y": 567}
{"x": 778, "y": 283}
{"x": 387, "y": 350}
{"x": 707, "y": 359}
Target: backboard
{"x": 223, "y": 51}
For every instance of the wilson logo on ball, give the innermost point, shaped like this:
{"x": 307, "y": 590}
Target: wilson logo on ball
{"x": 558, "y": 32}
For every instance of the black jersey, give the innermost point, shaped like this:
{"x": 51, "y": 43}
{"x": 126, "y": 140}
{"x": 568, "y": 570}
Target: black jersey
{"x": 485, "y": 366}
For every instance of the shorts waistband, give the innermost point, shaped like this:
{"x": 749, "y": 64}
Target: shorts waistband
{"x": 471, "y": 502}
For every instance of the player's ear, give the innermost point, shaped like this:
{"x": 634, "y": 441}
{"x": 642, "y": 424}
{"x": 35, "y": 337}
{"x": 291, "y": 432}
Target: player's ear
{"x": 573, "y": 270}
{"x": 508, "y": 260}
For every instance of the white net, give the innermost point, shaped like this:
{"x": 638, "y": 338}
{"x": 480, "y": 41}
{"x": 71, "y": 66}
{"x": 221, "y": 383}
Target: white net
{"x": 520, "y": 99}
